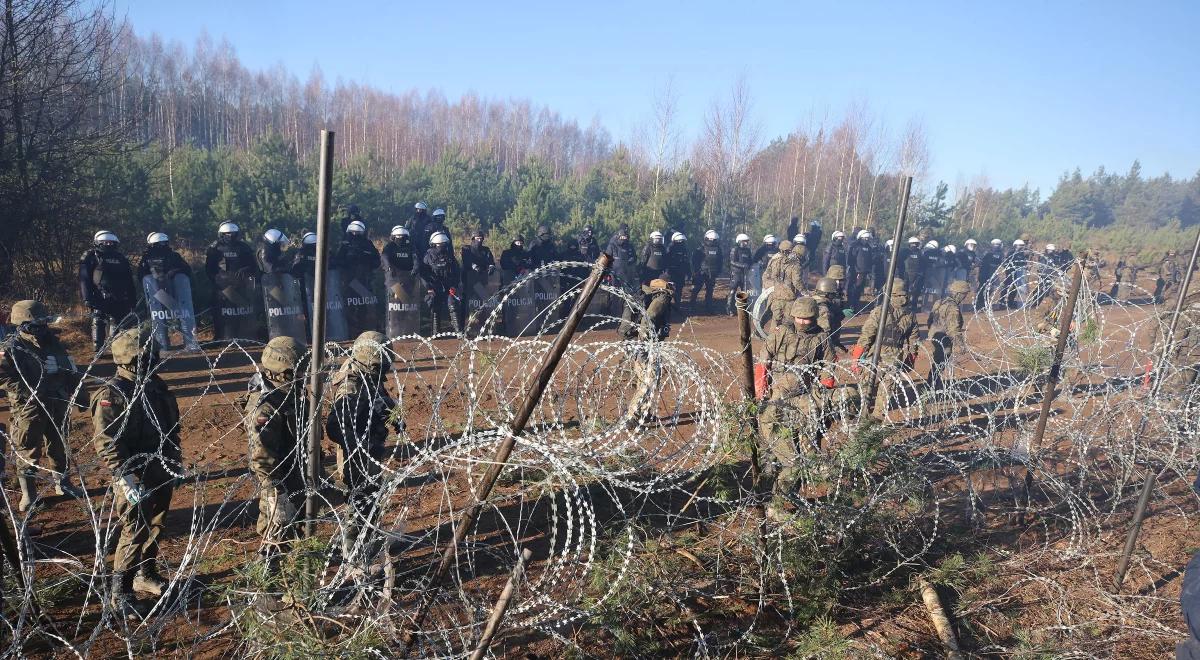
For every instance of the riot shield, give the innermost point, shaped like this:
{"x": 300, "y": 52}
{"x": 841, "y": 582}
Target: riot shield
{"x": 170, "y": 303}
{"x": 239, "y": 310}
{"x": 362, "y": 303}
{"x": 520, "y": 309}
{"x": 479, "y": 301}
{"x": 284, "y": 303}
{"x": 756, "y": 280}
{"x": 335, "y": 305}
{"x": 545, "y": 292}
{"x": 403, "y": 304}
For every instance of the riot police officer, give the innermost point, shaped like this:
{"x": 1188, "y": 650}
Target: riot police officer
{"x": 436, "y": 225}
{"x": 740, "y": 259}
{"x": 515, "y": 261}
{"x": 440, "y": 272}
{"x": 478, "y": 264}
{"x": 40, "y": 379}
{"x": 135, "y": 426}
{"x": 107, "y": 287}
{"x": 653, "y": 262}
{"x": 679, "y": 264}
{"x": 276, "y": 414}
{"x": 399, "y": 255}
{"x": 588, "y": 249}
{"x": 706, "y": 264}
{"x": 272, "y": 255}
{"x": 625, "y": 260}
{"x": 416, "y": 228}
{"x": 860, "y": 268}
{"x": 835, "y": 252}
{"x": 229, "y": 262}
{"x": 989, "y": 263}
{"x": 166, "y": 267}
{"x": 357, "y": 255}
{"x": 544, "y": 250}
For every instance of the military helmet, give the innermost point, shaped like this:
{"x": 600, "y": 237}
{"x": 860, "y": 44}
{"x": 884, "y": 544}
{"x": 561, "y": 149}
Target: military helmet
{"x": 659, "y": 284}
{"x": 282, "y": 354}
{"x": 804, "y": 308}
{"x": 837, "y": 272}
{"x": 827, "y": 285}
{"x": 370, "y": 349}
{"x": 899, "y": 287}
{"x": 130, "y": 344}
{"x": 28, "y": 311}
{"x": 785, "y": 246}
{"x": 960, "y": 287}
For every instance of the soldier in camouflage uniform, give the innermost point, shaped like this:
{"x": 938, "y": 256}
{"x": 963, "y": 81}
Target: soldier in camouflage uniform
{"x": 830, "y": 311}
{"x": 784, "y": 271}
{"x": 837, "y": 273}
{"x": 645, "y": 369}
{"x": 362, "y": 416}
{"x": 899, "y": 346}
{"x": 946, "y": 329}
{"x": 1182, "y": 379}
{"x": 276, "y": 412}
{"x": 791, "y": 418}
{"x": 135, "y": 422}
{"x": 1168, "y": 278}
{"x": 39, "y": 378}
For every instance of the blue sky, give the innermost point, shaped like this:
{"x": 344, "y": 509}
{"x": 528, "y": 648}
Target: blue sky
{"x": 1018, "y": 91}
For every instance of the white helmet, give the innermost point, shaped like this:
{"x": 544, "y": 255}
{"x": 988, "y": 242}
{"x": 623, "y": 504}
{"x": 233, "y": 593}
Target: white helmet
{"x": 398, "y": 231}
{"x": 309, "y": 238}
{"x": 105, "y": 236}
{"x": 769, "y": 239}
{"x": 656, "y": 236}
{"x": 997, "y": 242}
{"x": 1018, "y": 243}
{"x": 711, "y": 235}
{"x": 228, "y": 228}
{"x": 741, "y": 237}
{"x": 863, "y": 233}
{"x": 889, "y": 243}
{"x": 156, "y": 237}
{"x": 839, "y": 234}
{"x": 932, "y": 244}
{"x": 913, "y": 240}
{"x": 274, "y": 236}
{"x": 971, "y": 242}
{"x": 950, "y": 249}
{"x": 678, "y": 237}
{"x": 1050, "y": 247}
{"x": 356, "y": 227}
{"x": 799, "y": 238}
{"x": 439, "y": 238}
{"x": 420, "y": 206}
{"x": 439, "y": 213}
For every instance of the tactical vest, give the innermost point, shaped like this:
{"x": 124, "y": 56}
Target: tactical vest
{"x": 110, "y": 273}
{"x": 893, "y": 335}
{"x": 740, "y": 254}
{"x": 657, "y": 255}
{"x": 401, "y": 257}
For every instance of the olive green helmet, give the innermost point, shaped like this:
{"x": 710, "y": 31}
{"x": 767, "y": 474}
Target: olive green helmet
{"x": 128, "y": 346}
{"x": 959, "y": 287}
{"x": 899, "y": 288}
{"x": 29, "y": 311}
{"x": 370, "y": 349}
{"x": 827, "y": 285}
{"x": 785, "y": 246}
{"x": 836, "y": 272}
{"x": 282, "y": 354}
{"x": 804, "y": 308}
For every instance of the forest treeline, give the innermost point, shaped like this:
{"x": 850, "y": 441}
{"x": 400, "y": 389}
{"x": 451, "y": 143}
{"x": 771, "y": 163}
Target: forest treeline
{"x": 101, "y": 128}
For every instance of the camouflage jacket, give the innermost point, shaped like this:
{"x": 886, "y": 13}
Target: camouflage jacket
{"x": 785, "y": 354}
{"x": 275, "y": 421}
{"x": 362, "y": 412}
{"x": 32, "y": 366}
{"x": 128, "y": 422}
{"x": 784, "y": 273}
{"x": 946, "y": 318}
{"x": 899, "y": 338}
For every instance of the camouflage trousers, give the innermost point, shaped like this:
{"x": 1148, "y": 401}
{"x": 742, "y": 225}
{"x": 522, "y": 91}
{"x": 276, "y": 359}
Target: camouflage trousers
{"x": 943, "y": 352}
{"x": 280, "y": 503}
{"x": 141, "y": 524}
{"x": 788, "y": 427}
{"x": 779, "y": 310}
{"x": 647, "y": 375}
{"x": 34, "y": 427}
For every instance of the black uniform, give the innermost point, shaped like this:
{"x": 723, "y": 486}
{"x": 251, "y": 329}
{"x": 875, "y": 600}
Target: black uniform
{"x": 514, "y": 262}
{"x": 706, "y": 264}
{"x": 440, "y": 272}
{"x": 860, "y": 268}
{"x": 478, "y": 264}
{"x": 625, "y": 263}
{"x": 400, "y": 258}
{"x": 812, "y": 238}
{"x": 740, "y": 259}
{"x": 416, "y": 228}
{"x": 835, "y": 253}
{"x": 653, "y": 261}
{"x": 543, "y": 251}
{"x": 107, "y": 287}
{"x": 273, "y": 258}
{"x": 679, "y": 266}
{"x": 162, "y": 262}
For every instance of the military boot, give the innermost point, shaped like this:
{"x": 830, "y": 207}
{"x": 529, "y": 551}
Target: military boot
{"x": 65, "y": 487}
{"x": 149, "y": 580}
{"x": 124, "y": 601}
{"x": 29, "y": 495}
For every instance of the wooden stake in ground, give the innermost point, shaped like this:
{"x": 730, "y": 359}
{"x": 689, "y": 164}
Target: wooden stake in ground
{"x": 501, "y": 606}
{"x": 941, "y": 622}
